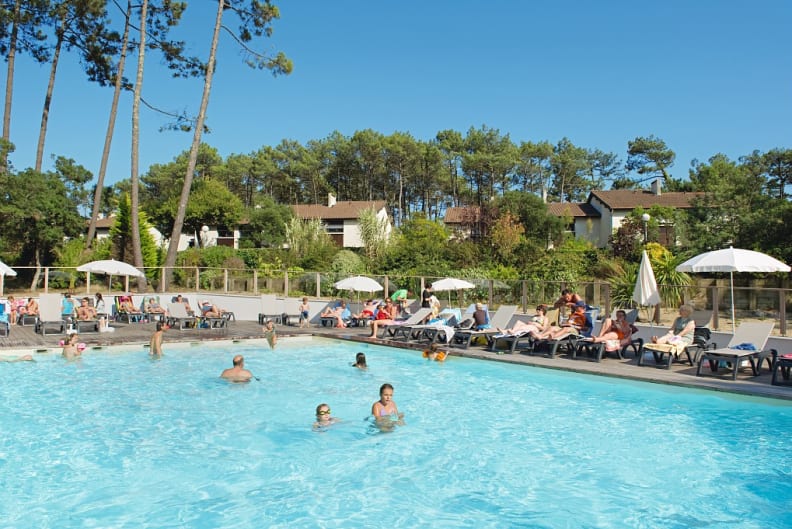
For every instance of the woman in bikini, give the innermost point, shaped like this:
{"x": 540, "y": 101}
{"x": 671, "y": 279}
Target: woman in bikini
{"x": 538, "y": 324}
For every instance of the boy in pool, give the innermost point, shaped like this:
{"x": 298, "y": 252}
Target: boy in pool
{"x": 155, "y": 346}
{"x": 269, "y": 334}
{"x": 385, "y": 411}
{"x": 323, "y": 417}
{"x": 360, "y": 361}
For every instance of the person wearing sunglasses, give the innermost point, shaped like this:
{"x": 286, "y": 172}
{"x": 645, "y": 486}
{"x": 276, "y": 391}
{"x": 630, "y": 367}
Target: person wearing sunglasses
{"x": 323, "y": 417}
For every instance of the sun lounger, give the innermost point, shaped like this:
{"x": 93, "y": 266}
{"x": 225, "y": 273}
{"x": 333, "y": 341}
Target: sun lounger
{"x": 178, "y": 317}
{"x": 501, "y": 319}
{"x": 388, "y": 331}
{"x": 551, "y": 347}
{"x": 50, "y": 314}
{"x": 701, "y": 342}
{"x": 271, "y": 308}
{"x": 782, "y": 365}
{"x": 747, "y": 343}
{"x": 5, "y": 327}
{"x": 522, "y": 341}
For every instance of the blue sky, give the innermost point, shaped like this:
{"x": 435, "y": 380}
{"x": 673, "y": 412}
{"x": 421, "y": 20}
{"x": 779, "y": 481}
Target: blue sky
{"x": 706, "y": 76}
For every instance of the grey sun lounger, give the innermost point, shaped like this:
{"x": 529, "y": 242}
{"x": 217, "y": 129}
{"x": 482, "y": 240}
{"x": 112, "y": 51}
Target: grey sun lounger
{"x": 501, "y": 319}
{"x": 754, "y": 333}
{"x": 389, "y": 331}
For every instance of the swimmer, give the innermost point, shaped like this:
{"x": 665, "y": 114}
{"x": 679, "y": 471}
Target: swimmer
{"x": 323, "y": 417}
{"x": 70, "y": 349}
{"x": 23, "y": 358}
{"x": 269, "y": 334}
{"x": 155, "y": 347}
{"x": 360, "y": 361}
{"x": 238, "y": 373}
{"x": 434, "y": 353}
{"x": 385, "y": 411}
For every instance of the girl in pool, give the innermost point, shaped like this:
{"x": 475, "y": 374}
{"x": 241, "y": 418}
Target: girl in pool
{"x": 360, "y": 361}
{"x": 385, "y": 411}
{"x": 323, "y": 417}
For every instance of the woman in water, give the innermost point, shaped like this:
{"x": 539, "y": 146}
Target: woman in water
{"x": 385, "y": 411}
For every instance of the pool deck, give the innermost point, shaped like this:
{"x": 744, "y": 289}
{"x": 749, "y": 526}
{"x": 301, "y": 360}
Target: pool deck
{"x": 24, "y": 340}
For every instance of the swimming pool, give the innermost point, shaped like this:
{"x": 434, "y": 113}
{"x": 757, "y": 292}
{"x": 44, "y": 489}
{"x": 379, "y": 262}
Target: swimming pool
{"x": 119, "y": 440}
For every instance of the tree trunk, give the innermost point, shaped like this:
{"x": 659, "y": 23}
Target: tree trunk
{"x": 134, "y": 211}
{"x": 170, "y": 259}
{"x": 37, "y": 273}
{"x": 12, "y": 41}
{"x": 109, "y": 135}
{"x": 48, "y": 97}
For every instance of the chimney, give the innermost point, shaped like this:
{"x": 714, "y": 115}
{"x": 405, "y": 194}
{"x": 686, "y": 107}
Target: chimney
{"x": 657, "y": 187}
{"x": 331, "y": 200}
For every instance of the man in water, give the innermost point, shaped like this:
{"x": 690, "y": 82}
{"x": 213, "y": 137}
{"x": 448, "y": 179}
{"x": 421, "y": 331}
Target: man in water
{"x": 238, "y": 373}
{"x": 155, "y": 346}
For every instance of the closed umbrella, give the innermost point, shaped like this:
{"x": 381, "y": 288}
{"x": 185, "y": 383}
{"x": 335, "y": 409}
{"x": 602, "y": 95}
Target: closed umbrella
{"x": 732, "y": 260}
{"x": 646, "y": 292}
{"x": 5, "y": 270}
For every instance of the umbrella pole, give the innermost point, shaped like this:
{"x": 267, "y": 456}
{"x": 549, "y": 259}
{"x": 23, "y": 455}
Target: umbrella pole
{"x": 731, "y": 281}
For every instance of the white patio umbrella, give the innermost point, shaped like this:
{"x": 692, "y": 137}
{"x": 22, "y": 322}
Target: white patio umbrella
{"x": 5, "y": 270}
{"x": 451, "y": 283}
{"x": 358, "y": 284}
{"x": 732, "y": 260}
{"x": 646, "y": 292}
{"x": 110, "y": 267}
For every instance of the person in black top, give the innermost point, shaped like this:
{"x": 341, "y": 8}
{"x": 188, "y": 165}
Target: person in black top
{"x": 425, "y": 296}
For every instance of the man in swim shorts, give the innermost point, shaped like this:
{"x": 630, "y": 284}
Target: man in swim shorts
{"x": 238, "y": 373}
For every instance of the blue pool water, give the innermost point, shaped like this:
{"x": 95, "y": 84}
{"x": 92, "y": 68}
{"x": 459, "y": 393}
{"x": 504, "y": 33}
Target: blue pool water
{"x": 117, "y": 440}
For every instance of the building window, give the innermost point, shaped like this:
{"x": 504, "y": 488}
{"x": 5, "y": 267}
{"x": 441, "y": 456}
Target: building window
{"x": 334, "y": 227}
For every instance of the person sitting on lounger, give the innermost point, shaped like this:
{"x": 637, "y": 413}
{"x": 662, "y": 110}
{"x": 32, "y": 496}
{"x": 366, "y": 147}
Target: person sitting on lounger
{"x": 386, "y": 315}
{"x": 152, "y": 306}
{"x": 615, "y": 333}
{"x": 538, "y": 324}
{"x": 209, "y": 310}
{"x": 568, "y": 300}
{"x": 187, "y": 307}
{"x": 86, "y": 312}
{"x": 369, "y": 308}
{"x": 67, "y": 307}
{"x": 340, "y": 313}
{"x": 126, "y": 306}
{"x": 480, "y": 317}
{"x": 578, "y": 323}
{"x": 680, "y": 334}
{"x": 32, "y": 307}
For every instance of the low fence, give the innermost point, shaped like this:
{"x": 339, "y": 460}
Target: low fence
{"x": 750, "y": 302}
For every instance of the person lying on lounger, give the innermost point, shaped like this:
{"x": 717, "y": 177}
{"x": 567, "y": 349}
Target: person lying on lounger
{"x": 578, "y": 323}
{"x": 615, "y": 333}
{"x": 537, "y": 325}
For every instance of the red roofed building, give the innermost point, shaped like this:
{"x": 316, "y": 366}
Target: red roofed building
{"x": 596, "y": 219}
{"x": 340, "y": 218}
